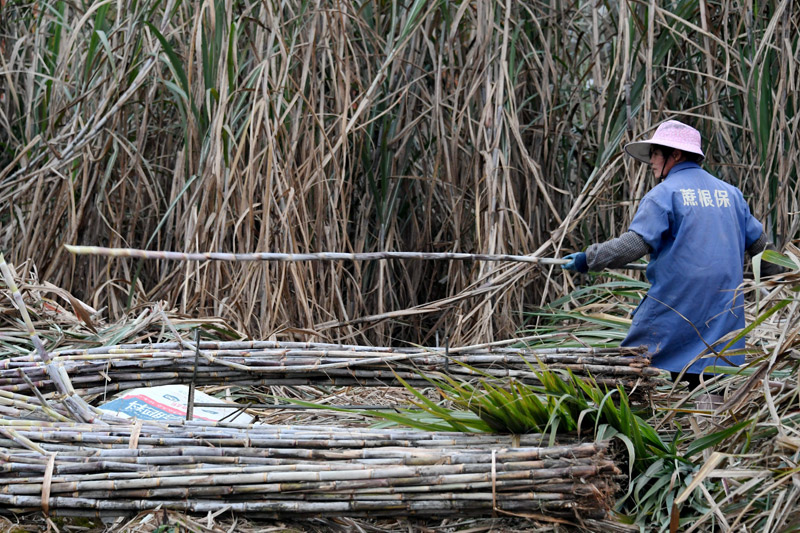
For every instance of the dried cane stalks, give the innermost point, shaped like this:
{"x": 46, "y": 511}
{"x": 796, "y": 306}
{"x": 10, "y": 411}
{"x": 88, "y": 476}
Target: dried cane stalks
{"x": 113, "y": 368}
{"x": 290, "y": 471}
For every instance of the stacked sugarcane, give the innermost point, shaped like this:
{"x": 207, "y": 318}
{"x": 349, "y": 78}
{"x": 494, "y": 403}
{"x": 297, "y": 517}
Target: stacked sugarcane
{"x": 60, "y": 455}
{"x": 284, "y": 471}
{"x": 110, "y": 369}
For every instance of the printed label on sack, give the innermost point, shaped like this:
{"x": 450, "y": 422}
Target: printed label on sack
{"x": 169, "y": 402}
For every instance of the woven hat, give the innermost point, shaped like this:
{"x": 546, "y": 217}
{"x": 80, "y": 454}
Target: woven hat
{"x": 671, "y": 133}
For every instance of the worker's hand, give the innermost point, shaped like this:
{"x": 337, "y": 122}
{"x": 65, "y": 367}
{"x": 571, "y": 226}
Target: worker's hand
{"x": 576, "y": 263}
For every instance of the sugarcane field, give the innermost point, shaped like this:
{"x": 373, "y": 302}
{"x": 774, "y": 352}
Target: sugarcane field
{"x": 450, "y": 266}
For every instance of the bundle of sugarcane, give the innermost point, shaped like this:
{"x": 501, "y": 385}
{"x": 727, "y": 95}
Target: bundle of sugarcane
{"x": 72, "y": 468}
{"x": 114, "y": 368}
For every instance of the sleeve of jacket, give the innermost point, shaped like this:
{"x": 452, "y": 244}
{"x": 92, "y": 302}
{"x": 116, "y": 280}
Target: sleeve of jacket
{"x": 618, "y": 252}
{"x": 761, "y": 244}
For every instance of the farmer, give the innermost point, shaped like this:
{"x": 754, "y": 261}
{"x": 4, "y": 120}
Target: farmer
{"x": 696, "y": 229}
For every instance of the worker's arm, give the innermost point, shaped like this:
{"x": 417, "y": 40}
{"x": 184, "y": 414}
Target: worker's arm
{"x": 615, "y": 253}
{"x": 761, "y": 244}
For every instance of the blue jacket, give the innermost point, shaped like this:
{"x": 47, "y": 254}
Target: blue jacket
{"x": 698, "y": 228}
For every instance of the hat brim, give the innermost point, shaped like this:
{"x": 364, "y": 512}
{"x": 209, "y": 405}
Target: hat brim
{"x": 640, "y": 150}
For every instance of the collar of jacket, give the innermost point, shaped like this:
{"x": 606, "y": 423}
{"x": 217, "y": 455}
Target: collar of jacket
{"x": 685, "y": 165}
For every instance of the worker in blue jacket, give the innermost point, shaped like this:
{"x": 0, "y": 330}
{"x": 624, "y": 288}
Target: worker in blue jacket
{"x": 696, "y": 229}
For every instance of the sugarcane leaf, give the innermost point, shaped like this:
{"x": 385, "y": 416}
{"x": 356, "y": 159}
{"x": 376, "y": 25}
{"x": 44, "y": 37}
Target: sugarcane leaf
{"x": 755, "y": 323}
{"x": 175, "y": 64}
{"x": 777, "y": 258}
{"x": 472, "y": 369}
{"x": 422, "y": 398}
{"x": 660, "y": 466}
{"x": 605, "y": 431}
{"x": 656, "y": 487}
{"x": 713, "y": 439}
{"x": 99, "y": 26}
{"x": 609, "y": 411}
{"x": 403, "y": 417}
{"x": 561, "y": 411}
{"x": 413, "y": 18}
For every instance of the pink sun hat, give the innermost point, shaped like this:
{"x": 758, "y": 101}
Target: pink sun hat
{"x": 671, "y": 133}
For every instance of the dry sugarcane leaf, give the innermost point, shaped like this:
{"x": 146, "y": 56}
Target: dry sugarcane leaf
{"x": 82, "y": 311}
{"x": 674, "y": 519}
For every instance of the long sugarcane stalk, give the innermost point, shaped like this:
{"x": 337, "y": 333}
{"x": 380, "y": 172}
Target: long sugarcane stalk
{"x": 320, "y": 256}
